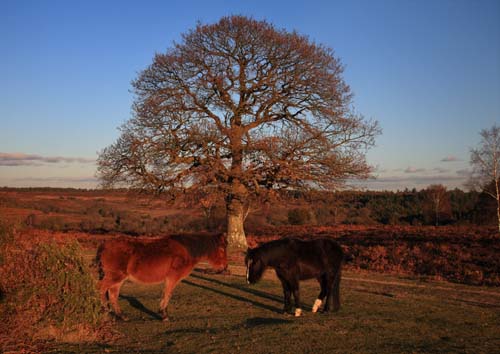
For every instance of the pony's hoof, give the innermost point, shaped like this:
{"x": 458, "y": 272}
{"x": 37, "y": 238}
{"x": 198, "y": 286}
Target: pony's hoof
{"x": 165, "y": 319}
{"x": 121, "y": 317}
{"x": 298, "y": 312}
{"x": 317, "y": 305}
{"x": 287, "y": 312}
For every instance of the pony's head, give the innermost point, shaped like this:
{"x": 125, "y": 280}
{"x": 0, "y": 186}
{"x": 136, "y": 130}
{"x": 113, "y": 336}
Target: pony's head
{"x": 218, "y": 258}
{"x": 255, "y": 266}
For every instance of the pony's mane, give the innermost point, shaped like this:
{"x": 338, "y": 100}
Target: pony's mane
{"x": 264, "y": 250}
{"x": 199, "y": 244}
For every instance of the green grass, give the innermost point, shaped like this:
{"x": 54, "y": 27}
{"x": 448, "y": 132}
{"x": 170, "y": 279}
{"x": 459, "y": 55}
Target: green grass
{"x": 379, "y": 314}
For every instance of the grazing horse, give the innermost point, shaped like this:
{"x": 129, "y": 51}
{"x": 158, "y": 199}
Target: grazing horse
{"x": 168, "y": 260}
{"x": 295, "y": 260}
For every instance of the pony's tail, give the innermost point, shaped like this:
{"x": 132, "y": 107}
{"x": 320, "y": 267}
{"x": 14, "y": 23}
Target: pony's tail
{"x": 336, "y": 288}
{"x": 97, "y": 261}
{"x": 348, "y": 258}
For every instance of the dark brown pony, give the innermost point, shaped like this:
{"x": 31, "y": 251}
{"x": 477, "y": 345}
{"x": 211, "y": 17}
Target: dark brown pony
{"x": 295, "y": 260}
{"x": 168, "y": 260}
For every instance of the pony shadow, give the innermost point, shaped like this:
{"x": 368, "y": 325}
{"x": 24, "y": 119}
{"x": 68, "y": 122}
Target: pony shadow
{"x": 189, "y": 331}
{"x": 242, "y": 288}
{"x": 139, "y": 306}
{"x": 264, "y": 321}
{"x": 232, "y": 296}
{"x": 247, "y": 290}
{"x": 249, "y": 323}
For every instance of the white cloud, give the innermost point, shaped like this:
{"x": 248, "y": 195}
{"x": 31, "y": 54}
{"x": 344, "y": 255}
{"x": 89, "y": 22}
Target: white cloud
{"x": 59, "y": 182}
{"x": 20, "y": 159}
{"x": 450, "y": 158}
{"x": 464, "y": 172}
{"x": 411, "y": 169}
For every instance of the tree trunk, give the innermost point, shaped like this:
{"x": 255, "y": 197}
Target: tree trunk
{"x": 235, "y": 218}
{"x": 497, "y": 195}
{"x": 498, "y": 213}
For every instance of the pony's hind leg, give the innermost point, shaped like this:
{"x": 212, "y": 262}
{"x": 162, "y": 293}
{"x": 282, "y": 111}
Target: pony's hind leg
{"x": 322, "y": 294}
{"x": 113, "y": 293}
{"x": 104, "y": 296}
{"x": 333, "y": 290}
{"x": 336, "y": 290}
{"x": 110, "y": 289}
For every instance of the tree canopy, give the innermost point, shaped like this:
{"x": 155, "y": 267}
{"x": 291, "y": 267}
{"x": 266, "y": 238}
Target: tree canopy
{"x": 244, "y": 107}
{"x": 485, "y": 161}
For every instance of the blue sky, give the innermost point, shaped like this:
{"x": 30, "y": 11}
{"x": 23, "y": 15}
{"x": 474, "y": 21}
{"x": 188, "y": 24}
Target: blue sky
{"x": 428, "y": 71}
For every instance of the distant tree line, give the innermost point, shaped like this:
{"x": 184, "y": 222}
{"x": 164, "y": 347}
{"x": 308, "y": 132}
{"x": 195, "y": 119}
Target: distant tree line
{"x": 431, "y": 206}
{"x": 98, "y": 211}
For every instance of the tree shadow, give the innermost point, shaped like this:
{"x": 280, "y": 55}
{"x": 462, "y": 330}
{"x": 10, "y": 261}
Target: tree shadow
{"x": 264, "y": 321}
{"x": 233, "y": 296}
{"x": 140, "y": 306}
{"x": 248, "y": 323}
{"x": 189, "y": 331}
{"x": 246, "y": 289}
{"x": 381, "y": 293}
{"x": 242, "y": 287}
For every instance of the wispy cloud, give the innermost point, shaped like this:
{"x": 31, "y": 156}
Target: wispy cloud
{"x": 55, "y": 181}
{"x": 20, "y": 159}
{"x": 411, "y": 169}
{"x": 59, "y": 179}
{"x": 419, "y": 178}
{"x": 450, "y": 158}
{"x": 464, "y": 172}
{"x": 414, "y": 181}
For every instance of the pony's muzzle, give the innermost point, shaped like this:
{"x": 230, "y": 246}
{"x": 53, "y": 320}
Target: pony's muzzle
{"x": 223, "y": 269}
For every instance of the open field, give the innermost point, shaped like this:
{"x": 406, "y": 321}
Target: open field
{"x": 379, "y": 314}
{"x": 465, "y": 254}
{"x": 394, "y": 297}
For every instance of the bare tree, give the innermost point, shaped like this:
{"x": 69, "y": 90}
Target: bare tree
{"x": 245, "y": 107}
{"x": 438, "y": 198}
{"x": 485, "y": 161}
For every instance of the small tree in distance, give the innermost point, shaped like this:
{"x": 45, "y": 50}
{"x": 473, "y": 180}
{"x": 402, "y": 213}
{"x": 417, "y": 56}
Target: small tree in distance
{"x": 437, "y": 196}
{"x": 244, "y": 107}
{"x": 485, "y": 161}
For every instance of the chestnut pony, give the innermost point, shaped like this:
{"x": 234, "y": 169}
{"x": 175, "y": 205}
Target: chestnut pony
{"x": 168, "y": 260}
{"x": 294, "y": 260}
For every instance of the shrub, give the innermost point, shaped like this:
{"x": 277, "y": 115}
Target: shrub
{"x": 47, "y": 293}
{"x": 301, "y": 216}
{"x": 53, "y": 223}
{"x": 31, "y": 220}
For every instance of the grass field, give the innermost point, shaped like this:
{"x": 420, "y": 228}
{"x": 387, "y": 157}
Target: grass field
{"x": 379, "y": 314}
{"x": 382, "y": 312}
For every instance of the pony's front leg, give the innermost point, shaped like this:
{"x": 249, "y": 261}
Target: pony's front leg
{"x": 287, "y": 299}
{"x": 287, "y": 294}
{"x": 296, "y": 297}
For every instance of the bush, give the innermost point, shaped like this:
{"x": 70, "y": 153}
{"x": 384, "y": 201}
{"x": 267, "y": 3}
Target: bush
{"x": 47, "y": 293}
{"x": 301, "y": 216}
